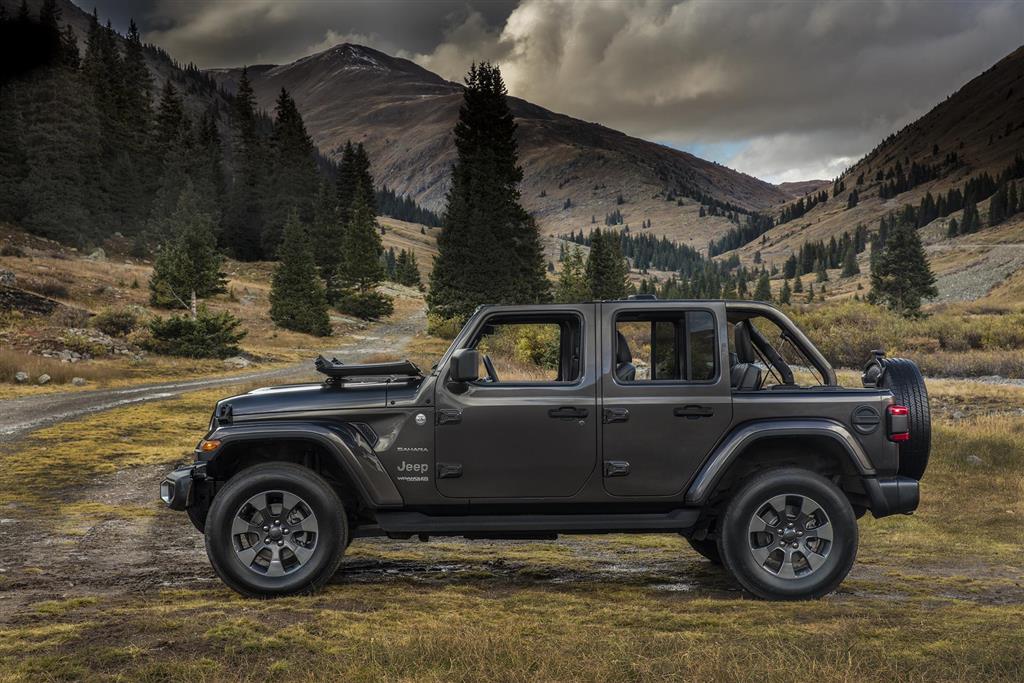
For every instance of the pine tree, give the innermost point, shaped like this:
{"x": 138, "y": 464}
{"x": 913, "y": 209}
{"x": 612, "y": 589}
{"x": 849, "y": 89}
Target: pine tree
{"x": 489, "y": 250}
{"x": 327, "y": 232}
{"x": 820, "y": 271}
{"x": 295, "y": 175}
{"x": 407, "y": 271}
{"x": 997, "y": 206}
{"x": 953, "y": 229}
{"x": 188, "y": 266}
{"x": 606, "y": 270}
{"x": 572, "y": 285}
{"x": 785, "y": 293}
{"x": 810, "y": 293}
{"x": 361, "y": 248}
{"x": 763, "y": 290}
{"x": 297, "y": 298}
{"x": 850, "y": 266}
{"x": 901, "y": 277}
{"x": 245, "y": 216}
{"x": 798, "y": 285}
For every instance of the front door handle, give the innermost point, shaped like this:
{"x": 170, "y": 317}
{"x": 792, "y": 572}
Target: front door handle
{"x": 566, "y": 413}
{"x": 692, "y": 412}
{"x": 616, "y": 415}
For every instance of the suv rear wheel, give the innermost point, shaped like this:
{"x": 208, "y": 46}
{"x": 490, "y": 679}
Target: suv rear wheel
{"x": 788, "y": 534}
{"x": 276, "y": 529}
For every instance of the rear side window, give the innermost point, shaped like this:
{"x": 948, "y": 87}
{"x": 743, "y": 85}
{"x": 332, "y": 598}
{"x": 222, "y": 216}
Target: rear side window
{"x": 665, "y": 346}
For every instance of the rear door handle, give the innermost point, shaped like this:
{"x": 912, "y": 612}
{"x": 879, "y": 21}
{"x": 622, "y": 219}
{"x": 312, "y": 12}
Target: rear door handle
{"x": 692, "y": 412}
{"x": 566, "y": 413}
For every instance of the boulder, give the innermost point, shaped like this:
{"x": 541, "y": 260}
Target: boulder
{"x": 21, "y": 377}
{"x": 237, "y": 362}
{"x": 7, "y": 277}
{"x": 43, "y": 379}
{"x": 98, "y": 254}
{"x": 78, "y": 381}
{"x": 974, "y": 460}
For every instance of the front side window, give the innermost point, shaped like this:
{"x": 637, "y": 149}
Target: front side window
{"x": 669, "y": 346}
{"x": 518, "y": 350}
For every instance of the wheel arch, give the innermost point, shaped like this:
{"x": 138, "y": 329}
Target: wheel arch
{"x": 339, "y": 452}
{"x": 820, "y": 445}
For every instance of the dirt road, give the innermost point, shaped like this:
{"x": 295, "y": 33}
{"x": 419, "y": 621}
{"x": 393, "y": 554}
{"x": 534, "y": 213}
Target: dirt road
{"x": 23, "y": 415}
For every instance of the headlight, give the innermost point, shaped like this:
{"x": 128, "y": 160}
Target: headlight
{"x": 166, "y": 491}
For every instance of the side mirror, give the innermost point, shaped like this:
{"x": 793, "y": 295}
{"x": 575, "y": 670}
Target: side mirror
{"x": 465, "y": 366}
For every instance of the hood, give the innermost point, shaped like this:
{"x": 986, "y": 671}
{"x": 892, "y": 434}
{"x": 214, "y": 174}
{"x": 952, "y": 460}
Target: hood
{"x": 301, "y": 398}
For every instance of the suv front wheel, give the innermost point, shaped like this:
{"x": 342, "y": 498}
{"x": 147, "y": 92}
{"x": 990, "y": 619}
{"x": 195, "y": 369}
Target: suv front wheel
{"x": 276, "y": 529}
{"x": 788, "y": 534}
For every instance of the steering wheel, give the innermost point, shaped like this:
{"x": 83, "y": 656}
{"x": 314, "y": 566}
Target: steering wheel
{"x": 492, "y": 374}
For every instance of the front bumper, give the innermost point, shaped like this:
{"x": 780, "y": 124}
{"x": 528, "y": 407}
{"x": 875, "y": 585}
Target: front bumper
{"x": 892, "y": 495}
{"x": 176, "y": 490}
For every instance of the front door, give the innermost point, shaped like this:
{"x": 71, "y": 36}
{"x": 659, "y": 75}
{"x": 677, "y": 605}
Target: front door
{"x": 528, "y": 427}
{"x": 665, "y": 392}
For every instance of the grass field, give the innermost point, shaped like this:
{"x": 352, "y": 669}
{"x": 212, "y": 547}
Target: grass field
{"x": 937, "y": 596}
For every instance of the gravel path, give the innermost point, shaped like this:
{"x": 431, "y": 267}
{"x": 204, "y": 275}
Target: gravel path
{"x": 21, "y": 416}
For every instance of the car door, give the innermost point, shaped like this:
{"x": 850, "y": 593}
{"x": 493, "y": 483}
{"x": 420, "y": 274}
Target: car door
{"x": 666, "y": 398}
{"x": 532, "y": 433}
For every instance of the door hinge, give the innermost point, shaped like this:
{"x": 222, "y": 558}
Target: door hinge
{"x": 449, "y": 470}
{"x": 616, "y": 468}
{"x": 448, "y": 417}
{"x": 616, "y": 415}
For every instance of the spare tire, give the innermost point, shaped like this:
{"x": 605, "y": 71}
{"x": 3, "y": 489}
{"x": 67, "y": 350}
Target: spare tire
{"x": 903, "y": 378}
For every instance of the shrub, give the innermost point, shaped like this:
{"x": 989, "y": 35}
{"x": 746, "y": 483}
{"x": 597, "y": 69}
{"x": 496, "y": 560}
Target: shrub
{"x": 80, "y": 343}
{"x": 209, "y": 335}
{"x": 48, "y": 287}
{"x": 366, "y": 305}
{"x": 116, "y": 322}
{"x": 8, "y": 249}
{"x": 445, "y": 328}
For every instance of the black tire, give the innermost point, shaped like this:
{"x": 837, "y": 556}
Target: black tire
{"x": 330, "y": 540}
{"x": 708, "y": 548}
{"x": 904, "y": 379}
{"x": 735, "y": 541}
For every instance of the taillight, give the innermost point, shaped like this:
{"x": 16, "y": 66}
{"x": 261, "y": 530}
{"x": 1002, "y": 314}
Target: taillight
{"x": 899, "y": 423}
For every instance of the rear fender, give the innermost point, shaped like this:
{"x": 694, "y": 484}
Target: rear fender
{"x": 342, "y": 443}
{"x": 729, "y": 450}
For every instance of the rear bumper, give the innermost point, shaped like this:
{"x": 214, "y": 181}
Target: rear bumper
{"x": 892, "y": 495}
{"x": 177, "y": 488}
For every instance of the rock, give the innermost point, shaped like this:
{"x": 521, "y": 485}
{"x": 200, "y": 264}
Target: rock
{"x": 98, "y": 255}
{"x": 958, "y": 414}
{"x": 43, "y": 379}
{"x": 7, "y": 277}
{"x": 974, "y": 460}
{"x": 237, "y": 362}
{"x": 78, "y": 381}
{"x": 21, "y": 377}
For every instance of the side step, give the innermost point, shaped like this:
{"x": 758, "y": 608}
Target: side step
{"x": 406, "y": 524}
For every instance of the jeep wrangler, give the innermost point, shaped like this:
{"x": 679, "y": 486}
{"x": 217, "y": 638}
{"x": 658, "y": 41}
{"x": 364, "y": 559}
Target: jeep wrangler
{"x": 716, "y": 420}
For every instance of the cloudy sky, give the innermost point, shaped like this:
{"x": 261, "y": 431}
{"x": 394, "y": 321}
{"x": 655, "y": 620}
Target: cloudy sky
{"x": 781, "y": 90}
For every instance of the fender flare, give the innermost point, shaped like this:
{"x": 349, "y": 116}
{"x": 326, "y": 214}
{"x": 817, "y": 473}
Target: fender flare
{"x": 739, "y": 439}
{"x": 343, "y": 443}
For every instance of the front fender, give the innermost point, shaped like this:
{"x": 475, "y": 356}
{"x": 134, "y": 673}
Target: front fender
{"x": 343, "y": 443}
{"x": 736, "y": 442}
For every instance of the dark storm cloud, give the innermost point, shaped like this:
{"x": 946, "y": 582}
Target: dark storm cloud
{"x": 219, "y": 33}
{"x": 800, "y": 89}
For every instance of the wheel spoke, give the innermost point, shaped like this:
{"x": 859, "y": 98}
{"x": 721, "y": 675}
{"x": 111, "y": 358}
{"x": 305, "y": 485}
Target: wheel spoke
{"x": 823, "y": 532}
{"x": 302, "y": 553}
{"x": 786, "y": 570}
{"x": 758, "y": 525}
{"x": 778, "y": 503}
{"x": 814, "y": 560}
{"x": 289, "y": 501}
{"x": 307, "y": 524}
{"x": 248, "y": 555}
{"x": 761, "y": 554}
{"x": 275, "y": 568}
{"x": 240, "y": 526}
{"x": 808, "y": 507}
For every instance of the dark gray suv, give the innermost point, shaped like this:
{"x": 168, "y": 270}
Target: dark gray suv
{"x": 717, "y": 420}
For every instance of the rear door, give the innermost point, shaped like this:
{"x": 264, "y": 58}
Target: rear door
{"x": 666, "y": 401}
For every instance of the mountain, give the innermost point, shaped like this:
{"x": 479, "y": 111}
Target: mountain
{"x": 977, "y": 130}
{"x": 800, "y": 188}
{"x": 575, "y": 171}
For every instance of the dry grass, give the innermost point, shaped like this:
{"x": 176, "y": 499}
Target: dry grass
{"x": 12, "y": 362}
{"x": 919, "y": 607}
